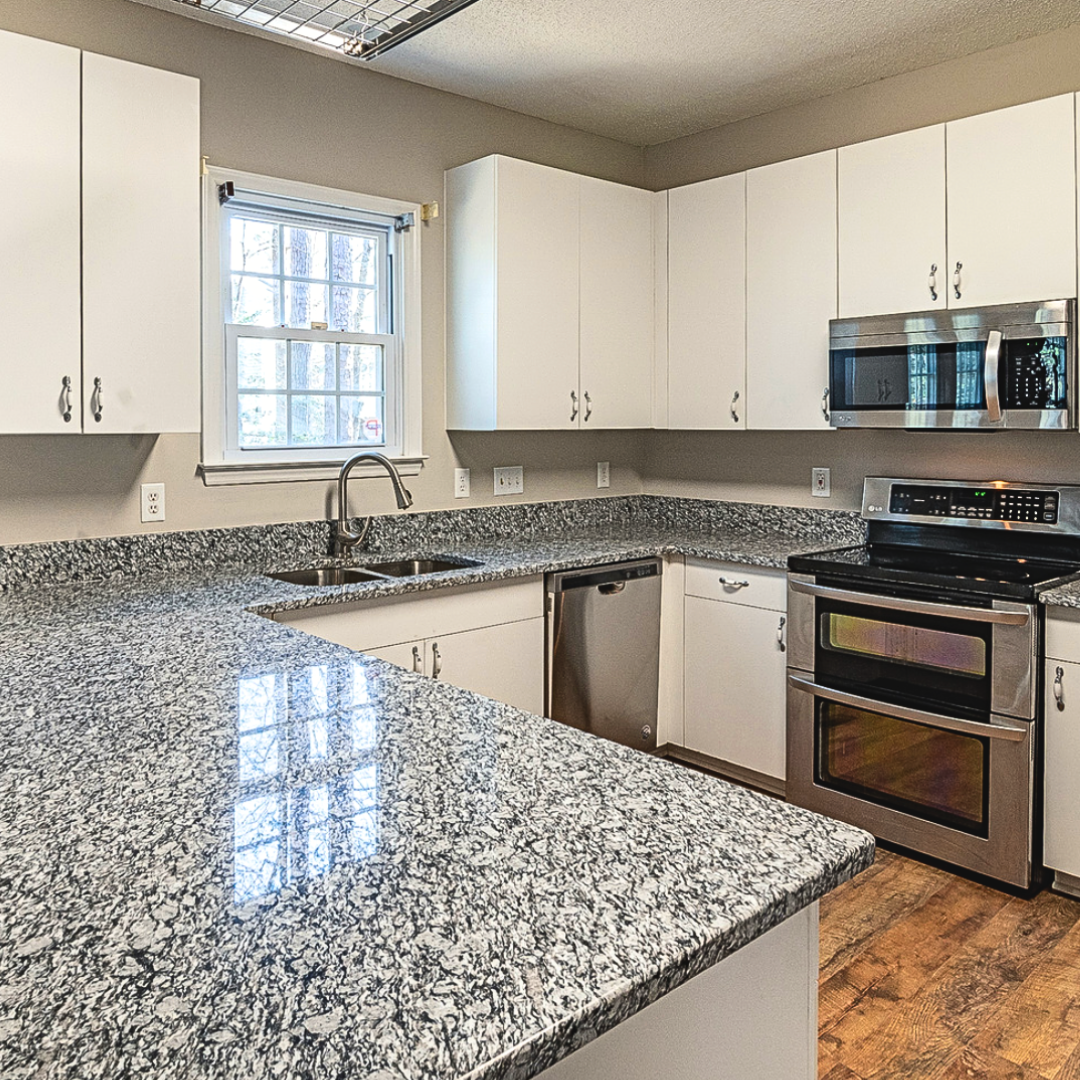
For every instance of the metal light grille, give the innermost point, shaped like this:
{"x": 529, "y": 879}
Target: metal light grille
{"x": 357, "y": 28}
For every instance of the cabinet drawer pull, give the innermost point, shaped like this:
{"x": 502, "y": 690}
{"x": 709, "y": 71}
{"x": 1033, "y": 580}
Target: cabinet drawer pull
{"x": 588, "y": 406}
{"x": 574, "y": 405}
{"x": 96, "y": 404}
{"x": 933, "y": 281}
{"x": 734, "y": 414}
{"x": 1059, "y": 688}
{"x": 436, "y": 660}
{"x": 417, "y": 661}
{"x": 956, "y": 279}
{"x": 780, "y": 634}
{"x": 730, "y": 584}
{"x": 65, "y": 400}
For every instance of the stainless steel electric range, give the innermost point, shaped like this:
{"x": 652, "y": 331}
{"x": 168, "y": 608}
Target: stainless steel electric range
{"x": 914, "y": 704}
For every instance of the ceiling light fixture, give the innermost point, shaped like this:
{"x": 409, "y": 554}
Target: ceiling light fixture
{"x": 361, "y": 29}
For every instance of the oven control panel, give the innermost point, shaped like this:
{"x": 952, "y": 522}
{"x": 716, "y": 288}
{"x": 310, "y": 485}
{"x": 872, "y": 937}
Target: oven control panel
{"x": 1036, "y": 506}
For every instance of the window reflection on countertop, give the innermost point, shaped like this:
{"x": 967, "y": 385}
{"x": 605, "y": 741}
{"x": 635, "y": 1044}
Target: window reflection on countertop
{"x": 308, "y": 780}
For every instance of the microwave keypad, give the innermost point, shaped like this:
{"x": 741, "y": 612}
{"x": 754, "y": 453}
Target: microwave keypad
{"x": 989, "y": 504}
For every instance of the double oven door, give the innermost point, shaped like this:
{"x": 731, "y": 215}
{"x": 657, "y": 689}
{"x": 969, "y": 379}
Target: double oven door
{"x": 914, "y": 717}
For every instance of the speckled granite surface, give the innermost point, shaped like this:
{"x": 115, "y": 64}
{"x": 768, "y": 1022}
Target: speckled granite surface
{"x": 234, "y": 851}
{"x": 1062, "y": 596}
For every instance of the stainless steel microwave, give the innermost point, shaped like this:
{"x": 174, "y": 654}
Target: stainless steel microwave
{"x": 1009, "y": 366}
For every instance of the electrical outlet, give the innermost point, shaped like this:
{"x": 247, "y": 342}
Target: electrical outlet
{"x": 510, "y": 480}
{"x": 820, "y": 485}
{"x": 462, "y": 484}
{"x": 153, "y": 502}
{"x": 603, "y": 474}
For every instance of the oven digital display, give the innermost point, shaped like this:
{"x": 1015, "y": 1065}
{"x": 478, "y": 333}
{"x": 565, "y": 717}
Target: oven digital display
{"x": 986, "y": 503}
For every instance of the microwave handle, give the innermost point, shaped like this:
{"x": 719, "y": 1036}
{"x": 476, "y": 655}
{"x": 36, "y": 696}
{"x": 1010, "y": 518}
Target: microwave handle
{"x": 991, "y": 365}
{"x": 1010, "y": 615}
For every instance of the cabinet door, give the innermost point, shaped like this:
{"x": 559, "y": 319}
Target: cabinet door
{"x": 501, "y": 662}
{"x": 707, "y": 304}
{"x": 140, "y": 248}
{"x": 891, "y": 220}
{"x": 39, "y": 236}
{"x": 536, "y": 313}
{"x": 1012, "y": 203}
{"x": 735, "y": 685}
{"x": 408, "y": 655}
{"x": 790, "y": 291}
{"x": 617, "y": 282}
{"x": 1061, "y": 831}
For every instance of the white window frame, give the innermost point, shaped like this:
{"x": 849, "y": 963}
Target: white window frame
{"x": 222, "y": 461}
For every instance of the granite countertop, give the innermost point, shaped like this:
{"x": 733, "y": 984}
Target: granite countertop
{"x": 1067, "y": 595}
{"x": 233, "y": 851}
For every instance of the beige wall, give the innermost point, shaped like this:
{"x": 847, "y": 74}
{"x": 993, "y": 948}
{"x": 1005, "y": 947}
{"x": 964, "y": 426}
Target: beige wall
{"x": 775, "y": 467}
{"x": 273, "y": 109}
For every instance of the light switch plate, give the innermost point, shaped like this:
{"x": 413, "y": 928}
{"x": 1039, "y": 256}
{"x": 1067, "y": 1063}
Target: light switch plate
{"x": 153, "y": 502}
{"x": 462, "y": 484}
{"x": 510, "y": 480}
{"x": 603, "y": 474}
{"x": 820, "y": 484}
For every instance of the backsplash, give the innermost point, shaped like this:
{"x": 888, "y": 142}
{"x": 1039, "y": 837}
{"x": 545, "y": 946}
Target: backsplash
{"x": 260, "y": 547}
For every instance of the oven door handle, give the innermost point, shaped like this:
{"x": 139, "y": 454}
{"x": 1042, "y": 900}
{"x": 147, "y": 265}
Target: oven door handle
{"x": 901, "y": 712}
{"x": 1009, "y": 614}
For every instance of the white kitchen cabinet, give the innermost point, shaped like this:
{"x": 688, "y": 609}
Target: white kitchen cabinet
{"x": 543, "y": 307}
{"x": 706, "y": 354}
{"x": 1012, "y": 203}
{"x": 485, "y": 638}
{"x": 1061, "y": 829}
{"x": 616, "y": 312}
{"x": 790, "y": 291}
{"x": 39, "y": 236}
{"x": 891, "y": 224}
{"x": 141, "y": 303}
{"x": 735, "y": 672}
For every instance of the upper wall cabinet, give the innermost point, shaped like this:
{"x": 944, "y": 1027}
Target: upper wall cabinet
{"x": 790, "y": 291}
{"x": 98, "y": 163}
{"x": 891, "y": 222}
{"x": 706, "y": 351}
{"x": 1012, "y": 204}
{"x": 39, "y": 236}
{"x": 549, "y": 299}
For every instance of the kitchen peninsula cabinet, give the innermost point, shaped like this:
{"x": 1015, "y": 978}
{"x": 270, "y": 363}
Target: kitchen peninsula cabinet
{"x": 550, "y": 287}
{"x": 99, "y": 180}
{"x": 790, "y": 291}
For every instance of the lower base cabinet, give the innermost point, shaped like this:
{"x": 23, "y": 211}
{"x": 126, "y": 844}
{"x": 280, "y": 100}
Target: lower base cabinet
{"x": 1061, "y": 829}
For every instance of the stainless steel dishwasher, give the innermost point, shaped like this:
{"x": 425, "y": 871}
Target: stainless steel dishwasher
{"x": 603, "y": 650}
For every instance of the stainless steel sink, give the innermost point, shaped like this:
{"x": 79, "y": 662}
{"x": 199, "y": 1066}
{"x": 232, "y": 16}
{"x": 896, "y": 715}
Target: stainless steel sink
{"x": 416, "y": 567}
{"x": 332, "y": 575}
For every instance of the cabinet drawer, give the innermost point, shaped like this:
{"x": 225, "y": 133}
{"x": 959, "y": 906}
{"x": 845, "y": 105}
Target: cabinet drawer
{"x": 751, "y": 587}
{"x": 1063, "y": 634}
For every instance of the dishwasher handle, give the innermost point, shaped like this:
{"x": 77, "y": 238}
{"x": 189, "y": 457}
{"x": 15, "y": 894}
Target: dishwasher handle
{"x": 611, "y": 588}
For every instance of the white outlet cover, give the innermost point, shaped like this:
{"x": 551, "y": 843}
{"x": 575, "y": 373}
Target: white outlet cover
{"x": 462, "y": 484}
{"x": 153, "y": 502}
{"x": 820, "y": 483}
{"x": 603, "y": 474}
{"x": 510, "y": 480}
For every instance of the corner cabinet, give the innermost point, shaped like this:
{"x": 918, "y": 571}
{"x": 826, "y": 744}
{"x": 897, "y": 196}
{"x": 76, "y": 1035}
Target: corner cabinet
{"x": 549, "y": 290}
{"x": 99, "y": 183}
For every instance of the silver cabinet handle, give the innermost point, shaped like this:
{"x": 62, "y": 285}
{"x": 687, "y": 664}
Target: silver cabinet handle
{"x": 1059, "y": 688}
{"x": 588, "y": 406}
{"x": 65, "y": 400}
{"x": 417, "y": 661}
{"x": 728, "y": 584}
{"x": 780, "y": 634}
{"x": 956, "y": 279}
{"x": 574, "y": 405}
{"x": 991, "y": 364}
{"x": 825, "y": 405}
{"x": 436, "y": 660}
{"x": 734, "y": 414}
{"x": 96, "y": 404}
{"x": 933, "y": 281}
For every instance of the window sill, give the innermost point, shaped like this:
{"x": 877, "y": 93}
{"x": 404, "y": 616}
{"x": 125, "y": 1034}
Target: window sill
{"x": 220, "y": 475}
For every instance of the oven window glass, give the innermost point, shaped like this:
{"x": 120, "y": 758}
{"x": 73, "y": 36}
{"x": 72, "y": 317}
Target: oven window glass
{"x": 918, "y": 646}
{"x": 938, "y": 775}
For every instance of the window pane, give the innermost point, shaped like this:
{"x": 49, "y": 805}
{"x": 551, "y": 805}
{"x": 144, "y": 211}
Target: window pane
{"x": 253, "y": 246}
{"x": 313, "y": 420}
{"x": 354, "y": 310}
{"x": 256, "y": 301}
{"x": 304, "y": 303}
{"x": 260, "y": 364}
{"x": 263, "y": 419}
{"x": 355, "y": 258}
{"x": 312, "y": 365}
{"x": 360, "y": 367}
{"x": 305, "y": 253}
{"x": 361, "y": 420}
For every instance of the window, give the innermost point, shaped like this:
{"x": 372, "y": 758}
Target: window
{"x": 311, "y": 338}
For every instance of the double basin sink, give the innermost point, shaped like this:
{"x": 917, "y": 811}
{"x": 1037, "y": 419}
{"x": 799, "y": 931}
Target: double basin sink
{"x": 349, "y": 575}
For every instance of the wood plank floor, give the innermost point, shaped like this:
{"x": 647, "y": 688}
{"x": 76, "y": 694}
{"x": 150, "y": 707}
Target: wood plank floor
{"x": 929, "y": 976}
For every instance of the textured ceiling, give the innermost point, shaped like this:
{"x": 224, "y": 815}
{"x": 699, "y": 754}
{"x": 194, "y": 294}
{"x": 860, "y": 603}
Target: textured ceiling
{"x": 644, "y": 71}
